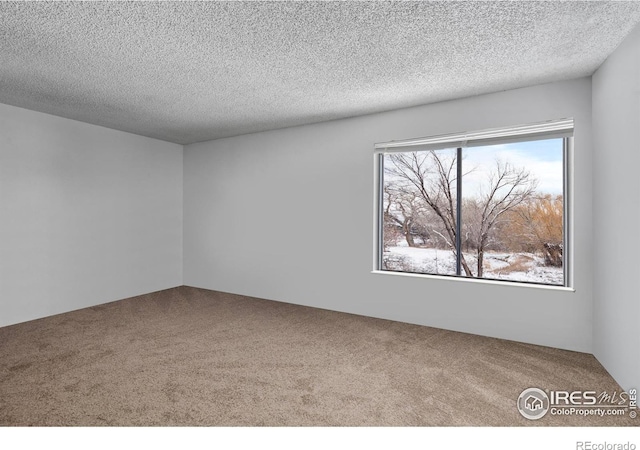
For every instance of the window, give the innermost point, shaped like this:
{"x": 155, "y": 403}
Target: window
{"x": 489, "y": 205}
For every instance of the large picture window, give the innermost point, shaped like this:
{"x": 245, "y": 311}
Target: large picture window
{"x": 489, "y": 205}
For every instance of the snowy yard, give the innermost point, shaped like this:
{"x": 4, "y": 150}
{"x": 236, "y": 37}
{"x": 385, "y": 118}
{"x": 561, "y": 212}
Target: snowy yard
{"x": 525, "y": 267}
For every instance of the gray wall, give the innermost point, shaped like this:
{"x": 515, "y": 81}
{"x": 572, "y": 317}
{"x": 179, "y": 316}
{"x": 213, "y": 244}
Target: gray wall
{"x": 288, "y": 215}
{"x": 87, "y": 215}
{"x": 616, "y": 175}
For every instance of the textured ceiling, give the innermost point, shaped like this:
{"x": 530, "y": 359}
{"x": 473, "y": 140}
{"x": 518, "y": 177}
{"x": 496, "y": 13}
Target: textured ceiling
{"x": 192, "y": 71}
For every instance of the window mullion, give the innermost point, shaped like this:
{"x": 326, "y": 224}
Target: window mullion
{"x": 459, "y": 212}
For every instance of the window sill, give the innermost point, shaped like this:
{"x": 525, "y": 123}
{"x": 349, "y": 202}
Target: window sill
{"x": 475, "y": 280}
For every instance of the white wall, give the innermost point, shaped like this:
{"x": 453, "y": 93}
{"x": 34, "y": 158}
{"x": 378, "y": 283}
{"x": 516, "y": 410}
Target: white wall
{"x": 288, "y": 215}
{"x": 616, "y": 121}
{"x": 87, "y": 215}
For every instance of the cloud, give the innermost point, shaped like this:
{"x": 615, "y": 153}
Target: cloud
{"x": 545, "y": 165}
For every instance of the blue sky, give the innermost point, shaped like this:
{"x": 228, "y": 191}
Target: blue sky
{"x": 543, "y": 159}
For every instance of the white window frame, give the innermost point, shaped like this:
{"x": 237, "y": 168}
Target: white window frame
{"x": 560, "y": 128}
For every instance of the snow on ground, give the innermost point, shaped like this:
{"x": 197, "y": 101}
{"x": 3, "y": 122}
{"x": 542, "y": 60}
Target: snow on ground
{"x": 525, "y": 267}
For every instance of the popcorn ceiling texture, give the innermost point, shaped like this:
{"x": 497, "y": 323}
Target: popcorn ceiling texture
{"x": 187, "y": 72}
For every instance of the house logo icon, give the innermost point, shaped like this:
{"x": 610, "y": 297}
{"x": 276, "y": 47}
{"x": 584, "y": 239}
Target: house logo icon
{"x": 533, "y": 403}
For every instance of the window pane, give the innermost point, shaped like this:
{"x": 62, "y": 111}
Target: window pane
{"x": 512, "y": 211}
{"x": 419, "y": 211}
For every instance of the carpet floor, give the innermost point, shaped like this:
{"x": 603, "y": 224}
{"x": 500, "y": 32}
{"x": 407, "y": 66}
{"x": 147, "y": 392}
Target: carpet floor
{"x": 193, "y": 357}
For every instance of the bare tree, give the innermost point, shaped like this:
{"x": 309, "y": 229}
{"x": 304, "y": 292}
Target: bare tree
{"x": 508, "y": 187}
{"x": 433, "y": 178}
{"x": 405, "y": 210}
{"x": 431, "y": 175}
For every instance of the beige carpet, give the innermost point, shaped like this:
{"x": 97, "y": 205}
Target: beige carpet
{"x": 189, "y": 356}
